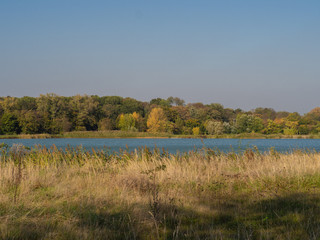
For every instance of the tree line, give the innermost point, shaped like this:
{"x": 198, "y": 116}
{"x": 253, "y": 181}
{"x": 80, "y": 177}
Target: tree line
{"x": 54, "y": 114}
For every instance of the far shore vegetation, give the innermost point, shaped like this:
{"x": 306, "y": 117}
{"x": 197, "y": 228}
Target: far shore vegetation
{"x": 129, "y": 134}
{"x": 152, "y": 194}
{"x": 51, "y": 115}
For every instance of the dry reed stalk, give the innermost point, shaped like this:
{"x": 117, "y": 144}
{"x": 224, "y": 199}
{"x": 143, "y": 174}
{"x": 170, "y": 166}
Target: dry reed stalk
{"x": 79, "y": 187}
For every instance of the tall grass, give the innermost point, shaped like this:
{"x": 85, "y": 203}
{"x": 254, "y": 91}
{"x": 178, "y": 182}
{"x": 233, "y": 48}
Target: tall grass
{"x": 79, "y": 194}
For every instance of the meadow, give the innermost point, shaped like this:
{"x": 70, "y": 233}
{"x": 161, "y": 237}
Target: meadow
{"x": 206, "y": 194}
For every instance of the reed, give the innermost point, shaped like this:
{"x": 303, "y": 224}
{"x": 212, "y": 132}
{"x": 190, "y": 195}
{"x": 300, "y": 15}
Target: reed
{"x": 74, "y": 193}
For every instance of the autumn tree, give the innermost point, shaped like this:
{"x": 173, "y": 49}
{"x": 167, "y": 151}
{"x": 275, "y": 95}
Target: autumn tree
{"x": 314, "y": 114}
{"x": 157, "y": 121}
{"x": 50, "y": 113}
{"x": 139, "y": 121}
{"x": 196, "y": 131}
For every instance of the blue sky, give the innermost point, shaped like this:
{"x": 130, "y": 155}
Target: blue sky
{"x": 242, "y": 54}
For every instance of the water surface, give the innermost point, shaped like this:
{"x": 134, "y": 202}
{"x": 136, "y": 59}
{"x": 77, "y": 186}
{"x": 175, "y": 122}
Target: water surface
{"x": 173, "y": 145}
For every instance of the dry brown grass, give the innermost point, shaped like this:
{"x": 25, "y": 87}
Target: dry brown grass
{"x": 143, "y": 195}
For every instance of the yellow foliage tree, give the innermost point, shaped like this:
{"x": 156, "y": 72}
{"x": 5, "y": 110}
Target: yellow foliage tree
{"x": 136, "y": 116}
{"x": 157, "y": 120}
{"x": 196, "y": 131}
{"x": 139, "y": 124}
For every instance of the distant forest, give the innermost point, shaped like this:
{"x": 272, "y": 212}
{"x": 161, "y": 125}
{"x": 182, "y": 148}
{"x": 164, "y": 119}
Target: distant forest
{"x": 55, "y": 114}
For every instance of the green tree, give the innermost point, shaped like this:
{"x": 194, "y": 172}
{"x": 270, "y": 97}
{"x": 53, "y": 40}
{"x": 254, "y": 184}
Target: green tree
{"x": 178, "y": 126}
{"x": 111, "y": 112}
{"x": 30, "y": 122}
{"x": 294, "y": 117}
{"x": 216, "y": 111}
{"x": 265, "y": 113}
{"x": 60, "y": 125}
{"x": 83, "y": 110}
{"x": 176, "y": 101}
{"x": 52, "y": 109}
{"x": 273, "y": 127}
{"x": 105, "y": 124}
{"x": 9, "y": 104}
{"x": 9, "y": 124}
{"x": 304, "y": 129}
{"x": 26, "y": 103}
{"x": 160, "y": 102}
{"x": 248, "y": 123}
{"x": 182, "y": 112}
{"x": 126, "y": 122}
{"x": 214, "y": 127}
{"x": 197, "y": 111}
{"x": 291, "y": 127}
{"x": 130, "y": 105}
{"x": 227, "y": 127}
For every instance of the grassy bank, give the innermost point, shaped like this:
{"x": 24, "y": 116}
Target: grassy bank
{"x": 128, "y": 134}
{"x": 115, "y": 134}
{"x": 26, "y": 136}
{"x": 72, "y": 194}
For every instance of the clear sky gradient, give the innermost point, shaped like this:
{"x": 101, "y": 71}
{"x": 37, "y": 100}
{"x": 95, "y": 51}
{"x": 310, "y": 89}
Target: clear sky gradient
{"x": 242, "y": 54}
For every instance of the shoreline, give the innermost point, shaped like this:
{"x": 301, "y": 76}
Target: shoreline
{"x": 146, "y": 135}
